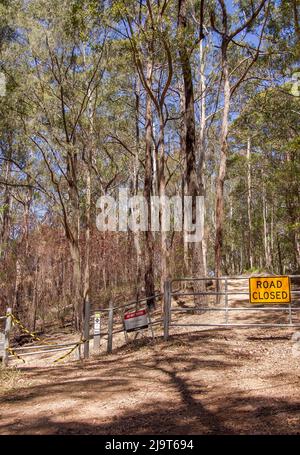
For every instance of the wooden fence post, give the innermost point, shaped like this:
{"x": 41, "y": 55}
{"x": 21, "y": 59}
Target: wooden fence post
{"x": 110, "y": 328}
{"x": 86, "y": 331}
{"x": 167, "y": 308}
{"x": 6, "y": 337}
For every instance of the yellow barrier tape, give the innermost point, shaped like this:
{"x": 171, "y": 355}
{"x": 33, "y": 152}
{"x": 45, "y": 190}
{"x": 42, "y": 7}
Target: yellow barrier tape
{"x": 70, "y": 352}
{"x": 15, "y": 354}
{"x": 35, "y": 337}
{"x": 32, "y": 334}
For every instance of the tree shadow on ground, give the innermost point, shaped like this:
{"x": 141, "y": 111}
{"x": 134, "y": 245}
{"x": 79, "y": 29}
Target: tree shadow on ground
{"x": 184, "y": 400}
{"x": 234, "y": 415}
{"x": 119, "y": 372}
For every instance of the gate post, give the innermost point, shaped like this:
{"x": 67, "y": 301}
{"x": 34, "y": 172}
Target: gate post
{"x": 226, "y": 300}
{"x": 110, "y": 327}
{"x": 6, "y": 337}
{"x": 167, "y": 308}
{"x": 86, "y": 329}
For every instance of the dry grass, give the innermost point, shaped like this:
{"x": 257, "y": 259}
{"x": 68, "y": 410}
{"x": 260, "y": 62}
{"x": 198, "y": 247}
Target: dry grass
{"x": 10, "y": 379}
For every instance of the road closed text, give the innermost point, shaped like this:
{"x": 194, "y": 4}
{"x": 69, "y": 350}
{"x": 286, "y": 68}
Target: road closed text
{"x": 269, "y": 289}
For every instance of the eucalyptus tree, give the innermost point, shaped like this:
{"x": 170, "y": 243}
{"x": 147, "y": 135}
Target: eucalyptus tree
{"x": 148, "y": 32}
{"x": 270, "y": 120}
{"x": 64, "y": 72}
{"x": 233, "y": 74}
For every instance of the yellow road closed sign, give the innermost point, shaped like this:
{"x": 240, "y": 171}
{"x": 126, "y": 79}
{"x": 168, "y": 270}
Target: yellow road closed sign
{"x": 270, "y": 289}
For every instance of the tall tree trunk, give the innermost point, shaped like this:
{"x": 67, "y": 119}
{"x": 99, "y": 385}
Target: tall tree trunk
{"x": 280, "y": 265}
{"x": 266, "y": 230}
{"x": 194, "y": 182}
{"x": 186, "y": 258}
{"x": 73, "y": 235}
{"x": 272, "y": 238}
{"x": 76, "y": 283}
{"x": 86, "y": 274}
{"x": 202, "y": 142}
{"x": 35, "y": 297}
{"x": 164, "y": 254}
{"x": 249, "y": 203}
{"x": 26, "y": 213}
{"x": 88, "y": 197}
{"x": 222, "y": 171}
{"x": 232, "y": 248}
{"x": 185, "y": 244}
{"x": 17, "y": 292}
{"x": 6, "y": 213}
{"x": 88, "y": 159}
{"x": 149, "y": 239}
{"x": 136, "y": 235}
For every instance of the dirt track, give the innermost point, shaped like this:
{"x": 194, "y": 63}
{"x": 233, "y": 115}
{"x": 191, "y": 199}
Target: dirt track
{"x": 222, "y": 383}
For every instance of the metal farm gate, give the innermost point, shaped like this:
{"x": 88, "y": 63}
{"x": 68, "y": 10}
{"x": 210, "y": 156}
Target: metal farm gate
{"x": 229, "y": 303}
{"x": 206, "y": 303}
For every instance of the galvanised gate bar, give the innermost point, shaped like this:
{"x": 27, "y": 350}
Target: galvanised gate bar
{"x": 225, "y": 293}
